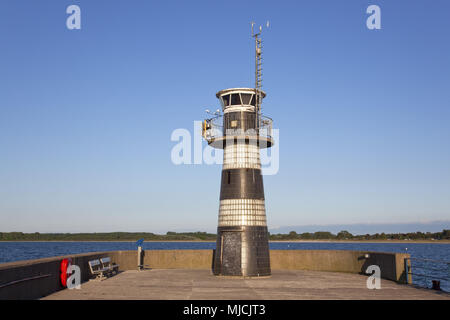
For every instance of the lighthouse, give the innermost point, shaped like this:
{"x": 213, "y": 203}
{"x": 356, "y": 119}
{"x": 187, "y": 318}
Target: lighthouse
{"x": 240, "y": 129}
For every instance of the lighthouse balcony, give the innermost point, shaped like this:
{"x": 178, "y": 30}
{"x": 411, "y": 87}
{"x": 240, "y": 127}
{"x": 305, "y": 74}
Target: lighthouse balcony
{"x": 213, "y": 132}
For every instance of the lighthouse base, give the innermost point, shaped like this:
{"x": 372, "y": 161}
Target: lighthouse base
{"x": 242, "y": 251}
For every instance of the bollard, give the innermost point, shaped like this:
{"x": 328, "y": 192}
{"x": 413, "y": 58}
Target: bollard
{"x": 436, "y": 285}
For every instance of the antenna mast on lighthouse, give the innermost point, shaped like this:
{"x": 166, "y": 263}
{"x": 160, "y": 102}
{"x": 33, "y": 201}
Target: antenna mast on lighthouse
{"x": 258, "y": 73}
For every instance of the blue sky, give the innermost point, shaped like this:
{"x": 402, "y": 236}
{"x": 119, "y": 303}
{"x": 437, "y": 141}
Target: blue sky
{"x": 86, "y": 115}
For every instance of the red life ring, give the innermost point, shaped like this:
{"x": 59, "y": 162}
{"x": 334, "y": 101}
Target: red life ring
{"x": 65, "y": 264}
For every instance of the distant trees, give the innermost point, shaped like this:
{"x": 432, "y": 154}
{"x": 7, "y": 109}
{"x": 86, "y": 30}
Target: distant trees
{"x": 292, "y": 235}
{"x": 110, "y": 236}
{"x": 306, "y": 236}
{"x": 195, "y": 236}
{"x": 345, "y": 235}
{"x": 323, "y": 235}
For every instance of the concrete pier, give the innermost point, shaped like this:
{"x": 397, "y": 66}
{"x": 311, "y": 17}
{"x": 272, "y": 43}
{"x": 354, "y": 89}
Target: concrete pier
{"x": 185, "y": 284}
{"x": 187, "y": 274}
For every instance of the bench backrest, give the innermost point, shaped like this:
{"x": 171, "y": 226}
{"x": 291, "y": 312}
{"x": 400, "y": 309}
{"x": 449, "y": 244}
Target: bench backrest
{"x": 94, "y": 265}
{"x": 106, "y": 262}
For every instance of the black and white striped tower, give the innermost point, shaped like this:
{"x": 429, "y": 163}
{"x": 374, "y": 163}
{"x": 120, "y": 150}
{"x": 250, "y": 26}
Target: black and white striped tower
{"x": 242, "y": 238}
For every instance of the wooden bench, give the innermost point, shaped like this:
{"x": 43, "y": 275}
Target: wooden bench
{"x": 107, "y": 265}
{"x": 101, "y": 268}
{"x": 97, "y": 270}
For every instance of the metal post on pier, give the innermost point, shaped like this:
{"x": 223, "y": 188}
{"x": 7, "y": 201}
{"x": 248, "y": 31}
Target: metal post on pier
{"x": 140, "y": 254}
{"x": 407, "y": 271}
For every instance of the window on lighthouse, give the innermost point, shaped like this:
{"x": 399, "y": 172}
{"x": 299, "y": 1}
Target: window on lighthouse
{"x": 235, "y": 99}
{"x": 226, "y": 100}
{"x": 246, "y": 98}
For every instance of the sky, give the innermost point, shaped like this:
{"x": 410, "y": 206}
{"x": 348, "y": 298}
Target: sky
{"x": 86, "y": 116}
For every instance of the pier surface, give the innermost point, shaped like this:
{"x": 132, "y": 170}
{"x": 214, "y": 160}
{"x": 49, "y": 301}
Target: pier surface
{"x": 182, "y": 284}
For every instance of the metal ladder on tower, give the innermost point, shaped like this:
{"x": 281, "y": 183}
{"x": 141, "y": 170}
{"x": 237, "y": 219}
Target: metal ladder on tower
{"x": 258, "y": 81}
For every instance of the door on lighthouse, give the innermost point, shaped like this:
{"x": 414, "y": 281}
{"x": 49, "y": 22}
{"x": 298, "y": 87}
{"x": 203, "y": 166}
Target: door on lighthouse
{"x": 231, "y": 253}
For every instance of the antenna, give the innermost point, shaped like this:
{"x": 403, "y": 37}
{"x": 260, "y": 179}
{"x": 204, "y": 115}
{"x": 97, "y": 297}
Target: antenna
{"x": 258, "y": 72}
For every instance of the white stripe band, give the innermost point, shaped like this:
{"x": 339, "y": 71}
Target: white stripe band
{"x": 241, "y": 155}
{"x": 242, "y": 212}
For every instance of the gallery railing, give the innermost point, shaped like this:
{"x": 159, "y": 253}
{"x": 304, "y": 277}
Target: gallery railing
{"x": 213, "y": 128}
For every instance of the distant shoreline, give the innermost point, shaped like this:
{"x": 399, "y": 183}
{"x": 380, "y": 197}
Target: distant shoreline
{"x": 134, "y": 241}
{"x": 199, "y": 236}
{"x": 367, "y": 241}
{"x": 274, "y": 241}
